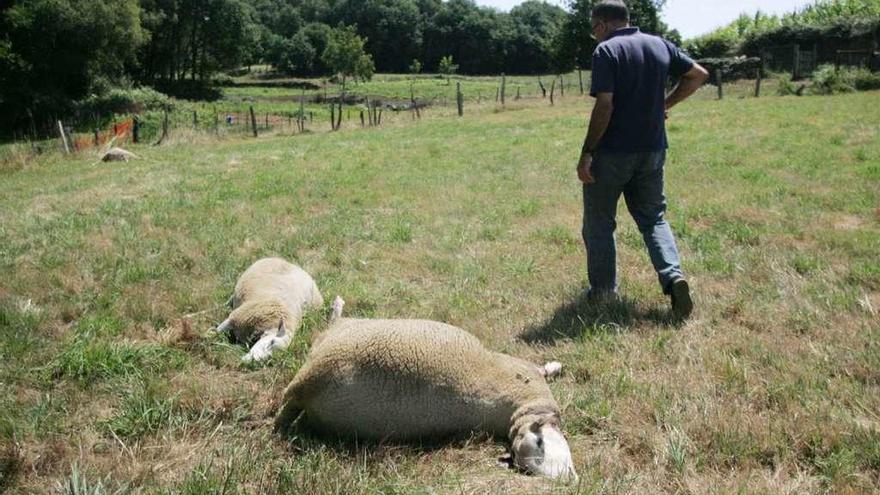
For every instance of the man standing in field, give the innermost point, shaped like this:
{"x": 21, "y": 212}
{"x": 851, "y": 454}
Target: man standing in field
{"x": 625, "y": 148}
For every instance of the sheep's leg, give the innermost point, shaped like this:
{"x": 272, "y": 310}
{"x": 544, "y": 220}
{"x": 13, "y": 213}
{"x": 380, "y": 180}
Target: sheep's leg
{"x": 224, "y": 327}
{"x": 337, "y": 306}
{"x": 288, "y": 415}
{"x": 550, "y": 370}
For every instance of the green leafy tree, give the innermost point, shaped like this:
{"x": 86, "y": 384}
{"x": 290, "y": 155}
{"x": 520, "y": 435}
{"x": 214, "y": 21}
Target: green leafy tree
{"x": 447, "y": 68}
{"x": 727, "y": 40}
{"x": 53, "y": 52}
{"x": 390, "y": 28}
{"x": 415, "y": 67}
{"x": 536, "y": 25}
{"x": 297, "y": 55}
{"x": 345, "y": 55}
{"x": 575, "y": 41}
{"x": 318, "y": 35}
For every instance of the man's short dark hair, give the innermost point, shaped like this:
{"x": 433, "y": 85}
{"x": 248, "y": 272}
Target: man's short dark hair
{"x": 611, "y": 11}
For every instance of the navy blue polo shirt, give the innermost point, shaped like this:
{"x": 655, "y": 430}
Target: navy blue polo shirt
{"x": 635, "y": 67}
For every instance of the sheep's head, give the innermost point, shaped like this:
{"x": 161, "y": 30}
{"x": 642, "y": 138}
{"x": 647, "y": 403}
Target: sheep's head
{"x": 540, "y": 448}
{"x": 254, "y": 319}
{"x": 268, "y": 342}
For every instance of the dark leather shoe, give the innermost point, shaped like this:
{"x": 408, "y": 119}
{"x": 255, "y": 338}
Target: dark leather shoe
{"x": 682, "y": 305}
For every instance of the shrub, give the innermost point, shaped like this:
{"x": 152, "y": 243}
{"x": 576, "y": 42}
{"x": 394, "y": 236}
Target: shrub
{"x": 865, "y": 80}
{"x": 124, "y": 101}
{"x": 786, "y": 86}
{"x": 827, "y": 81}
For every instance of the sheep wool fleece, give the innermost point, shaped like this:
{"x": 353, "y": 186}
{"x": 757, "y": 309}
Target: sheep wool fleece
{"x": 411, "y": 379}
{"x": 280, "y": 289}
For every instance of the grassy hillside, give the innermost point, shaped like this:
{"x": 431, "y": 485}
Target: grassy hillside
{"x": 773, "y": 387}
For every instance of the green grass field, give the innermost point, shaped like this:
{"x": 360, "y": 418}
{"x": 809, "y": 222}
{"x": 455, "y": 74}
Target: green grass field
{"x": 773, "y": 386}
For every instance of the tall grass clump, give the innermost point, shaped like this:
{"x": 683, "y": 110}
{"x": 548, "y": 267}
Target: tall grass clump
{"x": 78, "y": 484}
{"x": 87, "y": 359}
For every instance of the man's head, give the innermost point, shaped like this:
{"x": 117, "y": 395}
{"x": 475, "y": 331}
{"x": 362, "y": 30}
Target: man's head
{"x": 607, "y": 16}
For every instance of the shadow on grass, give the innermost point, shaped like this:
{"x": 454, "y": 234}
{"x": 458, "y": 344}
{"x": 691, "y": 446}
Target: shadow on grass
{"x": 584, "y": 316}
{"x": 305, "y": 436}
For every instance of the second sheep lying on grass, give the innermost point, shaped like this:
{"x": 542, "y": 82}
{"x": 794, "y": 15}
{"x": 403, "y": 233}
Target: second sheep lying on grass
{"x": 415, "y": 379}
{"x": 267, "y": 306}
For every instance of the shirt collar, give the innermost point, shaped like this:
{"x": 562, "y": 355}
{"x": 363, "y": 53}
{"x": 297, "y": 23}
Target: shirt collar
{"x": 624, "y": 31}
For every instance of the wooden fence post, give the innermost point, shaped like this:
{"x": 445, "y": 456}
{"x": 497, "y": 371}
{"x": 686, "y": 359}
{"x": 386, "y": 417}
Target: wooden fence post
{"x": 253, "y": 122}
{"x": 758, "y": 84}
{"x": 414, "y": 110}
{"x": 720, "y": 84}
{"x": 517, "y": 97}
{"x": 552, "y": 90}
{"x": 561, "y": 86}
{"x": 543, "y": 89}
{"x": 195, "y": 120}
{"x": 580, "y": 80}
{"x": 135, "y": 130}
{"x": 503, "y": 87}
{"x": 459, "y": 99}
{"x": 63, "y": 137}
{"x": 164, "y": 128}
{"x": 332, "y": 117}
{"x": 302, "y": 111}
{"x": 369, "y": 111}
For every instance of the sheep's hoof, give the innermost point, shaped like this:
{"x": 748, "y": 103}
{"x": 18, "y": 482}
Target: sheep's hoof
{"x": 551, "y": 369}
{"x": 337, "y": 306}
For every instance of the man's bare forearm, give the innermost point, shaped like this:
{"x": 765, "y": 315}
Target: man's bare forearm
{"x": 599, "y": 121}
{"x": 688, "y": 85}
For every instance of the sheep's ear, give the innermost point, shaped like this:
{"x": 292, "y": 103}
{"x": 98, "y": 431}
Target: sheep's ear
{"x": 281, "y": 329}
{"x": 535, "y": 427}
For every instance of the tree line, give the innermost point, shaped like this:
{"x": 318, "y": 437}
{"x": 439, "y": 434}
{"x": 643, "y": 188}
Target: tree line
{"x": 56, "y": 52}
{"x": 823, "y": 19}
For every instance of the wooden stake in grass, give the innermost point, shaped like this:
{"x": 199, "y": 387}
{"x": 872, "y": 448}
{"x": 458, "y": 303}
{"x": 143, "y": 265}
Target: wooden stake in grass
{"x": 758, "y": 83}
{"x": 516, "y": 98}
{"x": 369, "y": 112}
{"x": 580, "y": 80}
{"x": 561, "y": 86}
{"x": 253, "y": 122}
{"x": 552, "y": 90}
{"x": 503, "y": 88}
{"x": 543, "y": 89}
{"x": 63, "y": 137}
{"x": 459, "y": 99}
{"x": 720, "y": 84}
{"x": 164, "y": 129}
{"x": 413, "y": 104}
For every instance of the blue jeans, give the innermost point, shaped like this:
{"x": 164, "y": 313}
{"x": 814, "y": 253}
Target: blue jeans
{"x": 639, "y": 177}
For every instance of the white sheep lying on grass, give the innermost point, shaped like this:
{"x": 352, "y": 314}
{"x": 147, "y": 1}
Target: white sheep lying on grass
{"x": 417, "y": 379}
{"x": 268, "y": 304}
